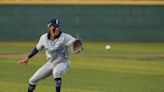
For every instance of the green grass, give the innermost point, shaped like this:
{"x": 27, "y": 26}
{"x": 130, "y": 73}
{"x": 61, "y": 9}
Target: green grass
{"x": 127, "y": 67}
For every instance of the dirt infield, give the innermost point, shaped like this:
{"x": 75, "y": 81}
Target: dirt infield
{"x": 16, "y": 55}
{"x": 12, "y": 55}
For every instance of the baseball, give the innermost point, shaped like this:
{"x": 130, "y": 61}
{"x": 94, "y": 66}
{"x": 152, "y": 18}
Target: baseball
{"x": 107, "y": 47}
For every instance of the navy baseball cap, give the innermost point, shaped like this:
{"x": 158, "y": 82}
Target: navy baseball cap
{"x": 54, "y": 22}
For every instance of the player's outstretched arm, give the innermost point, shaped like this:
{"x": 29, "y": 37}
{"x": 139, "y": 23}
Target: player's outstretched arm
{"x": 26, "y": 59}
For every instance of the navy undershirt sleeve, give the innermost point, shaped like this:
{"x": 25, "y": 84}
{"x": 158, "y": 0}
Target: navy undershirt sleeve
{"x": 33, "y": 53}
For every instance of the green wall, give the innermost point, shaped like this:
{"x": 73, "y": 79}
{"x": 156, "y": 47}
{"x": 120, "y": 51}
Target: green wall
{"x": 91, "y": 22}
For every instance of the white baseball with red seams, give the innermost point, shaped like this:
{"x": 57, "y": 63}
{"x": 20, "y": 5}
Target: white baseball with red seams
{"x": 107, "y": 47}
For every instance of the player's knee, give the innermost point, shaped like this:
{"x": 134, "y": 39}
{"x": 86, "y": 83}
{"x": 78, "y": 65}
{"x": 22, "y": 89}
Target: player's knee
{"x": 32, "y": 81}
{"x": 57, "y": 74}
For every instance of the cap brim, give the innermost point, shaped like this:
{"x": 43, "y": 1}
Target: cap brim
{"x": 50, "y": 24}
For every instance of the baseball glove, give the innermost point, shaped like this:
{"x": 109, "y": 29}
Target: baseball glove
{"x": 77, "y": 46}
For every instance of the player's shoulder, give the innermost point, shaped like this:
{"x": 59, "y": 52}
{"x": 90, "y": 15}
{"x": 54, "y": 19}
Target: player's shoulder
{"x": 65, "y": 35}
{"x": 43, "y": 36}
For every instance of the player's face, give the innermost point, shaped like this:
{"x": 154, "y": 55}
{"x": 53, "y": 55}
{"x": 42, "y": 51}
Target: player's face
{"x": 54, "y": 30}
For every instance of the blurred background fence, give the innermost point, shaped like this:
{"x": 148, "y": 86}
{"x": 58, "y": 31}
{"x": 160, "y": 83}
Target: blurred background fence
{"x": 93, "y": 22}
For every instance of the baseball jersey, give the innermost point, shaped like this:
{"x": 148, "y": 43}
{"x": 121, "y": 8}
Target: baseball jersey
{"x": 57, "y": 49}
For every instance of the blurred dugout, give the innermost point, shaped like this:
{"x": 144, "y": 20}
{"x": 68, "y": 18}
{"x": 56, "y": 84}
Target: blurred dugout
{"x": 135, "y": 20}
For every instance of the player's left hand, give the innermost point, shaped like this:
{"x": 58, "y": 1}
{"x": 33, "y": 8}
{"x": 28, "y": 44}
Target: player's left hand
{"x": 77, "y": 46}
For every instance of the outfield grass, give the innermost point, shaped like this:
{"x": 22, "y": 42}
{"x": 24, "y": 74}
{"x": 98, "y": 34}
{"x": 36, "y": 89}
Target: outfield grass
{"x": 127, "y": 67}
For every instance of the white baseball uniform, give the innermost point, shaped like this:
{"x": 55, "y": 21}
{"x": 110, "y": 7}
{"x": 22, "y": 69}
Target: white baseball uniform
{"x": 57, "y": 55}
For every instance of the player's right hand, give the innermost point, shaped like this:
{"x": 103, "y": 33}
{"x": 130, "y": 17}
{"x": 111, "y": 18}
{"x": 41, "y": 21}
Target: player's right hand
{"x": 24, "y": 61}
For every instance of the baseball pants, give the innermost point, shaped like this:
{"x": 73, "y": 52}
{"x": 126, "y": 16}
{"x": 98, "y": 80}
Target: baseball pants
{"x": 56, "y": 69}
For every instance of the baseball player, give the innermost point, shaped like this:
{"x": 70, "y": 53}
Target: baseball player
{"x": 56, "y": 43}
